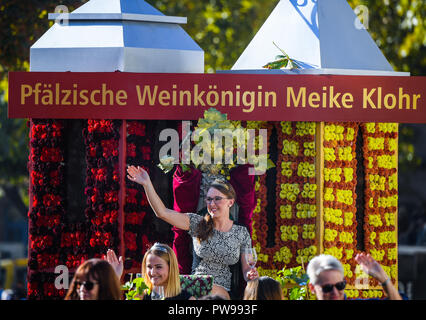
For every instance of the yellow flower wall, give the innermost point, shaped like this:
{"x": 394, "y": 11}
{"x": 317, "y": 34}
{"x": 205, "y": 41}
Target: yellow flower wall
{"x": 306, "y": 226}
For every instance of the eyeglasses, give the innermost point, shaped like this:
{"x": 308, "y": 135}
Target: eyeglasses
{"x": 87, "y": 284}
{"x": 329, "y": 287}
{"x": 215, "y": 199}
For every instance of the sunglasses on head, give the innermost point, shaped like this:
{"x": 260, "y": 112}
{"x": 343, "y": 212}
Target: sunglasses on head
{"x": 87, "y": 284}
{"x": 329, "y": 287}
{"x": 159, "y": 247}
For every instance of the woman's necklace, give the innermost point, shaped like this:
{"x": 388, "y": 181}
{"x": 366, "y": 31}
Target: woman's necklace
{"x": 225, "y": 227}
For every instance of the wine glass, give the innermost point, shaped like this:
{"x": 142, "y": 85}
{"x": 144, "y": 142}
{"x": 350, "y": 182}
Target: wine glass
{"x": 251, "y": 257}
{"x": 157, "y": 293}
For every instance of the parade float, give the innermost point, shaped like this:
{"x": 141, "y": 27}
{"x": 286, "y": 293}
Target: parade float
{"x": 331, "y": 134}
{"x": 335, "y": 187}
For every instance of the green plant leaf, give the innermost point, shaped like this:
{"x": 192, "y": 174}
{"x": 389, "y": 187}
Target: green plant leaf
{"x": 298, "y": 277}
{"x": 127, "y": 286}
{"x": 185, "y": 167}
{"x": 282, "y": 61}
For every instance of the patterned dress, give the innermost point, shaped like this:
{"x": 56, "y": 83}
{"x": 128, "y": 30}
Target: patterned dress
{"x": 215, "y": 255}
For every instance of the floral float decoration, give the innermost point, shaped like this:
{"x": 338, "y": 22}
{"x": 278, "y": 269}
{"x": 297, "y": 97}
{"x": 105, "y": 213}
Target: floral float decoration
{"x": 282, "y": 61}
{"x": 134, "y": 289}
{"x": 210, "y": 154}
{"x": 342, "y": 220}
{"x": 50, "y": 226}
{"x": 137, "y": 208}
{"x": 294, "y": 283}
{"x": 340, "y": 181}
{"x": 47, "y": 215}
{"x": 295, "y": 207}
{"x": 359, "y": 200}
{"x": 381, "y": 195}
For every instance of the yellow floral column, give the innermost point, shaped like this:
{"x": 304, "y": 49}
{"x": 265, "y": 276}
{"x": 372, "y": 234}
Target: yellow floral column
{"x": 339, "y": 197}
{"x": 381, "y": 195}
{"x": 338, "y": 210}
{"x": 295, "y": 208}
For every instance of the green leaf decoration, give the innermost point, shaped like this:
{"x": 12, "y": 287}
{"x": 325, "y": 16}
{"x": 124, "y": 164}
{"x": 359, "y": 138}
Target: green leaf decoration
{"x": 167, "y": 163}
{"x": 298, "y": 277}
{"x": 212, "y": 121}
{"x": 270, "y": 164}
{"x": 135, "y": 289}
{"x": 282, "y": 61}
{"x": 185, "y": 168}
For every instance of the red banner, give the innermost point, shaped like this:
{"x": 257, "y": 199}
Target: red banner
{"x": 260, "y": 97}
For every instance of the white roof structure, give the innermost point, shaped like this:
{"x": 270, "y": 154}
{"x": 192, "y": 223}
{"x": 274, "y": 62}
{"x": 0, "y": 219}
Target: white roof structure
{"x": 324, "y": 36}
{"x": 117, "y": 35}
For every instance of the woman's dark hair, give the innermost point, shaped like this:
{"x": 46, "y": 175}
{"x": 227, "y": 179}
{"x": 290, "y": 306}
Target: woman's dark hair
{"x": 101, "y": 271}
{"x": 212, "y": 297}
{"x": 205, "y": 227}
{"x": 263, "y": 288}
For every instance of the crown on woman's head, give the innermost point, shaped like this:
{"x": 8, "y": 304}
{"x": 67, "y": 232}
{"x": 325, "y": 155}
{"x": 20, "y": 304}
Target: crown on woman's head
{"x": 159, "y": 247}
{"x": 221, "y": 181}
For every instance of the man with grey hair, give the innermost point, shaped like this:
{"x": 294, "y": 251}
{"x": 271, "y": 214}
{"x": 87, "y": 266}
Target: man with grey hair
{"x": 327, "y": 281}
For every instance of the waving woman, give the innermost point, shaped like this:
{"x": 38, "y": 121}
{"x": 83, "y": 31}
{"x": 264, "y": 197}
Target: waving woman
{"x": 218, "y": 242}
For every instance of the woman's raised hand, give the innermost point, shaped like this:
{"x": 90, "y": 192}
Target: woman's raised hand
{"x": 138, "y": 175}
{"x": 371, "y": 266}
{"x": 117, "y": 264}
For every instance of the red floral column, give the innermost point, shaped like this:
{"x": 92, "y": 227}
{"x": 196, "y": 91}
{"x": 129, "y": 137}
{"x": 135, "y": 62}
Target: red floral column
{"x": 136, "y": 205}
{"x": 102, "y": 186}
{"x": 47, "y": 213}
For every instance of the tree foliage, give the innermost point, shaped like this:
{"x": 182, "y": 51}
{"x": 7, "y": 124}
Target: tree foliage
{"x": 222, "y": 28}
{"x": 22, "y": 23}
{"x": 398, "y": 27}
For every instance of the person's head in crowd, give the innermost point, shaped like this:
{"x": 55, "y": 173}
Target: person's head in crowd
{"x": 212, "y": 297}
{"x": 95, "y": 279}
{"x": 160, "y": 268}
{"x": 326, "y": 278}
{"x": 219, "y": 199}
{"x": 263, "y": 288}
